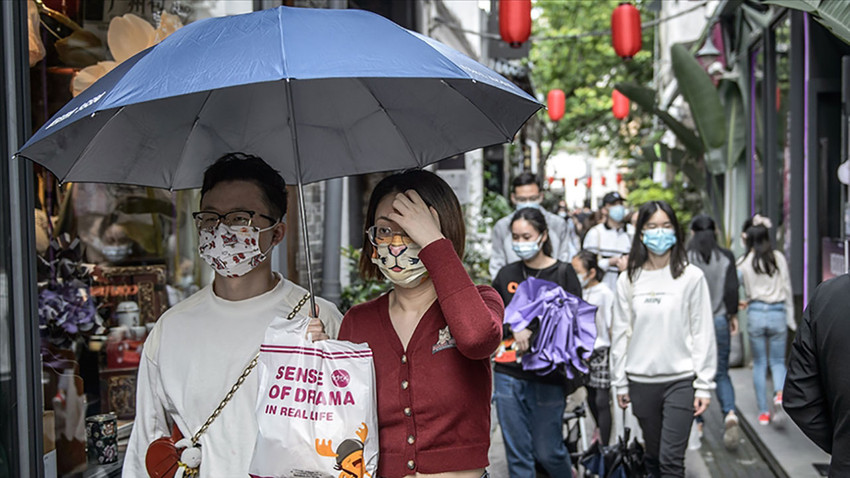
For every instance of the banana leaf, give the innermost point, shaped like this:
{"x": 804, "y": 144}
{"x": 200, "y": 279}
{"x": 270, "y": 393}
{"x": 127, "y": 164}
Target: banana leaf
{"x": 702, "y": 98}
{"x": 736, "y": 128}
{"x": 833, "y": 14}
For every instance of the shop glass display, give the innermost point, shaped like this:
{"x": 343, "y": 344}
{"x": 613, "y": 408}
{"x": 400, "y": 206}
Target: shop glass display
{"x": 112, "y": 258}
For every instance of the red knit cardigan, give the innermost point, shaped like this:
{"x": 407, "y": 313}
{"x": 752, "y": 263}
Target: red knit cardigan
{"x": 434, "y": 397}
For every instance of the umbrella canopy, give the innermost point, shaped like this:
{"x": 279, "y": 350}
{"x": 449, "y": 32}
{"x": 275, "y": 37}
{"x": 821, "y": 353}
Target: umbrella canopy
{"x": 343, "y": 92}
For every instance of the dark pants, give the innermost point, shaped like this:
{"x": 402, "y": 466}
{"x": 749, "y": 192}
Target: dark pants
{"x": 665, "y": 412}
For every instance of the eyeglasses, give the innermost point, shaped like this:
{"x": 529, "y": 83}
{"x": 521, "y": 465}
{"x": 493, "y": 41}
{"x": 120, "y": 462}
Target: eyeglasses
{"x": 205, "y": 220}
{"x": 383, "y": 235}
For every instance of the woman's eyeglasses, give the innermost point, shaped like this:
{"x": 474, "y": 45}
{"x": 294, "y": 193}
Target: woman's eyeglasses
{"x": 383, "y": 235}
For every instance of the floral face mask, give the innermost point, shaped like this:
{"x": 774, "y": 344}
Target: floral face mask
{"x": 232, "y": 251}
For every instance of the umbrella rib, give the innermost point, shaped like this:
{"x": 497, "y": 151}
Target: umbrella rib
{"x": 90, "y": 143}
{"x": 398, "y": 130}
{"x": 508, "y": 138}
{"x": 181, "y": 158}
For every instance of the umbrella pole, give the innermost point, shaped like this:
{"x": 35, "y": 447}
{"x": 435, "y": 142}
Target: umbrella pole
{"x": 301, "y": 206}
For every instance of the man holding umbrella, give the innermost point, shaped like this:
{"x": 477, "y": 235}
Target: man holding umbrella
{"x": 199, "y": 348}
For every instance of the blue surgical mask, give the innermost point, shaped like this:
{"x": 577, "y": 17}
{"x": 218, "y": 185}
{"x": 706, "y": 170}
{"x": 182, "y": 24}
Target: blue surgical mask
{"x": 617, "y": 213}
{"x": 660, "y": 240}
{"x": 521, "y": 205}
{"x": 526, "y": 250}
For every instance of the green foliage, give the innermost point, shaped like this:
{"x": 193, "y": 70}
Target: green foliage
{"x": 586, "y": 69}
{"x": 683, "y": 199}
{"x": 358, "y": 290}
{"x": 493, "y": 207}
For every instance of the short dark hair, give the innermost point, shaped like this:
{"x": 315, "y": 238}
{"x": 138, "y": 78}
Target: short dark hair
{"x": 247, "y": 167}
{"x": 639, "y": 254}
{"x": 435, "y": 192}
{"x": 538, "y": 221}
{"x": 525, "y": 179}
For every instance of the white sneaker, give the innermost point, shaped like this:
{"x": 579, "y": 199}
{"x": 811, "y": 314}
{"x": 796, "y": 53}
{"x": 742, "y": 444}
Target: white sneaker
{"x": 778, "y": 418}
{"x": 732, "y": 433}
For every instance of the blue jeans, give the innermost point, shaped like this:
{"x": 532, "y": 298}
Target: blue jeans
{"x": 530, "y": 416}
{"x": 725, "y": 392}
{"x": 767, "y": 330}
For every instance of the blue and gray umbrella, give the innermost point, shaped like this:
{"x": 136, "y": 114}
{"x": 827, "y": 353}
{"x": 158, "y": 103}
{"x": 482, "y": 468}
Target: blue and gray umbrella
{"x": 316, "y": 93}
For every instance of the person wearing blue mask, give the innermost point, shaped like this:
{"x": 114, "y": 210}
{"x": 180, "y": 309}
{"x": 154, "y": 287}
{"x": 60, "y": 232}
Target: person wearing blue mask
{"x": 562, "y": 232}
{"x": 664, "y": 355}
{"x": 610, "y": 240}
{"x": 530, "y": 406}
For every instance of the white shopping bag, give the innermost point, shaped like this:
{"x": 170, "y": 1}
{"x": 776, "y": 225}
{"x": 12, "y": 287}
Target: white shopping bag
{"x": 316, "y": 408}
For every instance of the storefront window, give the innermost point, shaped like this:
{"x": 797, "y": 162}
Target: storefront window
{"x": 111, "y": 258}
{"x": 783, "y": 127}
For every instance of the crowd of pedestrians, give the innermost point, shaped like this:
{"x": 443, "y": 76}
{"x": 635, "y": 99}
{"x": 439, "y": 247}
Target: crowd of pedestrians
{"x": 667, "y": 313}
{"x": 664, "y": 310}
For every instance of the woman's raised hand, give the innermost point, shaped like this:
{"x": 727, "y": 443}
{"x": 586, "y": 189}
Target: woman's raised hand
{"x": 418, "y": 220}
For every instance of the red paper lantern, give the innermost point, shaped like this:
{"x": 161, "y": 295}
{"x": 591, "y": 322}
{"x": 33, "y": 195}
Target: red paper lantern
{"x": 515, "y": 21}
{"x": 550, "y": 180}
{"x": 556, "y": 101}
{"x": 619, "y": 178}
{"x": 626, "y": 31}
{"x": 589, "y": 182}
{"x": 603, "y": 180}
{"x": 576, "y": 182}
{"x": 621, "y": 105}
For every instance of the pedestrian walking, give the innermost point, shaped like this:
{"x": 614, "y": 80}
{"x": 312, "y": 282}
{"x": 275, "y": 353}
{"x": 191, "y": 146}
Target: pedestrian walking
{"x": 431, "y": 335}
{"x": 530, "y": 406}
{"x": 663, "y": 348}
{"x": 562, "y": 233}
{"x": 817, "y": 389}
{"x": 199, "y": 348}
{"x": 599, "y": 379}
{"x": 718, "y": 266}
{"x": 769, "y": 301}
{"x": 610, "y": 239}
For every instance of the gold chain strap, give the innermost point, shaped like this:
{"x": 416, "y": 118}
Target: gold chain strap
{"x": 242, "y": 378}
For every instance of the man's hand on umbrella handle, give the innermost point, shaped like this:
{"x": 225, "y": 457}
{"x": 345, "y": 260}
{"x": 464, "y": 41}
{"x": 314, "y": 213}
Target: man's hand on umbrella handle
{"x": 316, "y": 330}
{"x": 623, "y": 400}
{"x": 419, "y": 221}
{"x": 522, "y": 341}
{"x": 700, "y": 405}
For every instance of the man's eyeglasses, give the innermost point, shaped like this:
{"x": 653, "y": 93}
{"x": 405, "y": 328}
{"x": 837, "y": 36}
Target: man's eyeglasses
{"x": 383, "y": 235}
{"x": 205, "y": 220}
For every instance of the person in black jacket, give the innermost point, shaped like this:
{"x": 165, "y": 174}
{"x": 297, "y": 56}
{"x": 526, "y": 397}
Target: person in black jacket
{"x": 817, "y": 386}
{"x": 530, "y": 406}
{"x": 718, "y": 266}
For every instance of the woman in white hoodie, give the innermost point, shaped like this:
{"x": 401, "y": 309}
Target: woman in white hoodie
{"x": 663, "y": 347}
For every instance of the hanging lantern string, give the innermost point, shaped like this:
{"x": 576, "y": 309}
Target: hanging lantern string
{"x": 596, "y": 33}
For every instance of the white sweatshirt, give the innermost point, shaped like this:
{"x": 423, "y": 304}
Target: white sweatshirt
{"x": 607, "y": 243}
{"x": 602, "y": 297}
{"x": 769, "y": 289}
{"x": 192, "y": 358}
{"x": 663, "y": 330}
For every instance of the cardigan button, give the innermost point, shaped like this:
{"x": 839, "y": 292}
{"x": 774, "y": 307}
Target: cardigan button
{"x": 411, "y": 465}
{"x": 411, "y": 439}
{"x": 407, "y": 411}
{"x": 404, "y": 384}
{"x": 404, "y": 359}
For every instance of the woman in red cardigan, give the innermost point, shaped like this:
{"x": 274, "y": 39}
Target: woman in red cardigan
{"x": 431, "y": 335}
